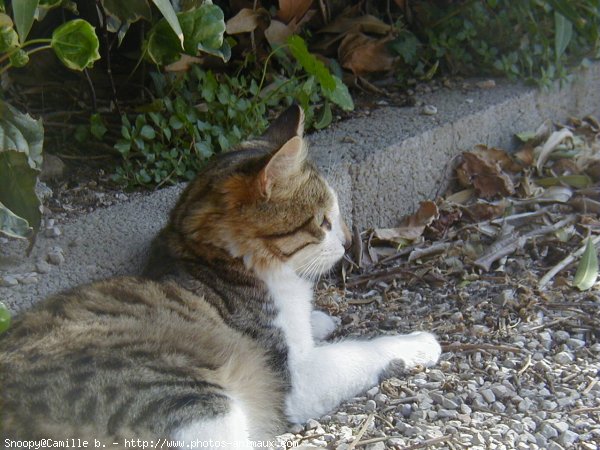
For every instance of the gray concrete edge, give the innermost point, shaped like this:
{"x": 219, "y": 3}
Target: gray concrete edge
{"x": 382, "y": 166}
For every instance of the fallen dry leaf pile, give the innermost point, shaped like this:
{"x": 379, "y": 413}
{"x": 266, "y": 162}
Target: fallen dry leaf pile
{"x": 541, "y": 202}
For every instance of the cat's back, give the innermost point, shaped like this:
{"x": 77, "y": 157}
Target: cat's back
{"x": 126, "y": 355}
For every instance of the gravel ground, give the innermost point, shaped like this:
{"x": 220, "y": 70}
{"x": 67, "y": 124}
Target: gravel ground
{"x": 519, "y": 369}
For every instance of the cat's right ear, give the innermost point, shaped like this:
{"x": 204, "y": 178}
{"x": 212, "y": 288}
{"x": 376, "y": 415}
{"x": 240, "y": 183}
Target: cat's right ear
{"x": 289, "y": 124}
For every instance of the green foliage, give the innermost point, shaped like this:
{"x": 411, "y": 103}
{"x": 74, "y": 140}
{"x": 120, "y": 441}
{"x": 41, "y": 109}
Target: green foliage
{"x": 76, "y": 44}
{"x": 587, "y": 270}
{"x": 4, "y": 318}
{"x": 196, "y": 116}
{"x": 203, "y": 30}
{"x": 200, "y": 114}
{"x": 21, "y": 139}
{"x": 531, "y": 39}
{"x": 331, "y": 86}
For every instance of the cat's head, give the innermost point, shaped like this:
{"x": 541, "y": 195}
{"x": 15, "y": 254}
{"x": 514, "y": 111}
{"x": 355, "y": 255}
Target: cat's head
{"x": 265, "y": 203}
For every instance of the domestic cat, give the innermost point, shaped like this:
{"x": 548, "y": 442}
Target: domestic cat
{"x": 218, "y": 339}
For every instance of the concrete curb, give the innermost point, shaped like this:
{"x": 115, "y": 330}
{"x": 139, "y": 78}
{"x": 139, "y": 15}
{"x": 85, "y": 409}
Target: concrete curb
{"x": 382, "y": 166}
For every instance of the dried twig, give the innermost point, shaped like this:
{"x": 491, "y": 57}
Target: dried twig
{"x": 426, "y": 443}
{"x": 362, "y": 430}
{"x": 434, "y": 249}
{"x": 513, "y": 242}
{"x": 564, "y": 263}
{"x": 455, "y": 347}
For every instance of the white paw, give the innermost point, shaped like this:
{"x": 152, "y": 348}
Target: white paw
{"x": 425, "y": 349}
{"x": 322, "y": 325}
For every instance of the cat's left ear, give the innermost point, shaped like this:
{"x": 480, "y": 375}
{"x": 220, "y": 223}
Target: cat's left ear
{"x": 288, "y": 124}
{"x": 282, "y": 166}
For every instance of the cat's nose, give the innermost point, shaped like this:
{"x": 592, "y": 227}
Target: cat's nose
{"x": 347, "y": 236}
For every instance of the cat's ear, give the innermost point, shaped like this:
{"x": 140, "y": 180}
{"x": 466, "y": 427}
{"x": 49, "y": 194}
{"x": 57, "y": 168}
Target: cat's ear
{"x": 283, "y": 164}
{"x": 290, "y": 123}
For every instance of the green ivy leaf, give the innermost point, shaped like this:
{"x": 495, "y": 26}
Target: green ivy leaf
{"x": 587, "y": 271}
{"x": 166, "y": 9}
{"x": 13, "y": 225}
{"x": 129, "y": 11}
{"x": 203, "y": 30}
{"x": 563, "y": 32}
{"x": 19, "y": 58}
{"x": 9, "y": 39}
{"x": 20, "y": 132}
{"x": 97, "y": 127}
{"x": 325, "y": 119}
{"x": 21, "y": 141}
{"x": 76, "y": 44}
{"x": 340, "y": 95}
{"x": 24, "y": 13}
{"x": 333, "y": 87}
{"x": 310, "y": 63}
{"x": 17, "y": 187}
{"x": 4, "y": 318}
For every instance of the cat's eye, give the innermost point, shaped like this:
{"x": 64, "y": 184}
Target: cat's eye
{"x": 326, "y": 224}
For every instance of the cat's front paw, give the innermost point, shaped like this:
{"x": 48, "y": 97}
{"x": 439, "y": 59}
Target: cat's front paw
{"x": 322, "y": 325}
{"x": 426, "y": 350}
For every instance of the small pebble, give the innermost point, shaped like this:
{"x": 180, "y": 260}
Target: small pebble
{"x": 561, "y": 336}
{"x": 312, "y": 424}
{"x": 563, "y": 358}
{"x": 370, "y": 405}
{"x": 56, "y": 256}
{"x": 568, "y": 438}
{"x": 429, "y": 110}
{"x": 42, "y": 267}
{"x": 8, "y": 281}
{"x": 488, "y": 395}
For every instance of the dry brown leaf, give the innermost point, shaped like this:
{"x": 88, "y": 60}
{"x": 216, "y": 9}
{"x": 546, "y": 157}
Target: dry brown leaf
{"x": 565, "y": 166}
{"x": 525, "y": 156}
{"x": 412, "y": 227}
{"x": 366, "y": 24}
{"x": 593, "y": 170}
{"x": 246, "y": 20}
{"x": 363, "y": 54}
{"x": 486, "y": 177}
{"x": 183, "y": 64}
{"x": 399, "y": 235}
{"x": 485, "y": 211}
{"x": 277, "y": 33}
{"x": 496, "y": 155}
{"x": 293, "y": 9}
{"x": 427, "y": 213}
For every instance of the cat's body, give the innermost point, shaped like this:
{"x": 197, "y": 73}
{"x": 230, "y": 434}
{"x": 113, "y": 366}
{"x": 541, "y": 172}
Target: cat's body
{"x": 223, "y": 343}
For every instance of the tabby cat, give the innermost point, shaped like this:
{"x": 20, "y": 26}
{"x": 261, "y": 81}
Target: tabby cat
{"x": 218, "y": 339}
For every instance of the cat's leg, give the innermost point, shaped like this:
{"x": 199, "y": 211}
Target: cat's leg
{"x": 226, "y": 431}
{"x": 329, "y": 374}
{"x": 322, "y": 325}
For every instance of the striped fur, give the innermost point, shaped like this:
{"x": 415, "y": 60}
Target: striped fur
{"x": 144, "y": 357}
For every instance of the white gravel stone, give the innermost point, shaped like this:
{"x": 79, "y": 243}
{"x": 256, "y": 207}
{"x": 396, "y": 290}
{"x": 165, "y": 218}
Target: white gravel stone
{"x": 370, "y": 405}
{"x": 561, "y": 336}
{"x": 488, "y": 395}
{"x": 312, "y": 424}
{"x": 429, "y": 110}
{"x": 575, "y": 344}
{"x": 373, "y": 392}
{"x": 56, "y": 256}
{"x": 568, "y": 438}
{"x": 563, "y": 358}
{"x": 561, "y": 426}
{"x": 8, "y": 281}
{"x": 548, "y": 431}
{"x": 376, "y": 446}
{"x": 42, "y": 267}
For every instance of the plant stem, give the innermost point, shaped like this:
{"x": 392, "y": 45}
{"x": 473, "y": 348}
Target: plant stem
{"x": 29, "y": 53}
{"x": 107, "y": 54}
